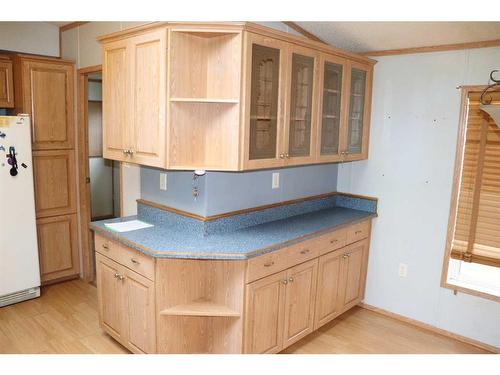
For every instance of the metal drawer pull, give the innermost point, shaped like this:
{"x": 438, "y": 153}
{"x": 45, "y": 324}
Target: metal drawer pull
{"x": 105, "y": 246}
{"x": 285, "y": 281}
{"x": 135, "y": 261}
{"x": 358, "y": 232}
{"x": 290, "y": 279}
{"x": 121, "y": 277}
{"x": 334, "y": 241}
{"x": 305, "y": 251}
{"x": 268, "y": 264}
{"x": 117, "y": 275}
{"x": 345, "y": 256}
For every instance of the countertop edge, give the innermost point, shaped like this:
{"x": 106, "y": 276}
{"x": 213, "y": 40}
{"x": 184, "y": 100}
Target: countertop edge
{"x": 222, "y": 256}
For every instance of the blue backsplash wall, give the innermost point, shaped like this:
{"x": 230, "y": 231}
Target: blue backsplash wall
{"x": 224, "y": 191}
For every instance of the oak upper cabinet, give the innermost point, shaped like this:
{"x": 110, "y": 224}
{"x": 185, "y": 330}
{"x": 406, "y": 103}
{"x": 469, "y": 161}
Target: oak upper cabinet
{"x": 265, "y": 95}
{"x": 332, "y": 104}
{"x": 300, "y": 120}
{"x": 6, "y": 83}
{"x": 44, "y": 90}
{"x": 126, "y": 305}
{"x": 134, "y": 98}
{"x": 358, "y": 113}
{"x": 300, "y": 293}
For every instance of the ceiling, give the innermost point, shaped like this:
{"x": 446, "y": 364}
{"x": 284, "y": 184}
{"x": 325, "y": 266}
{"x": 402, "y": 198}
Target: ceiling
{"x": 379, "y": 36}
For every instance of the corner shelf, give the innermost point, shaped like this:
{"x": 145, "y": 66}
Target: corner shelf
{"x": 204, "y": 100}
{"x": 201, "y": 308}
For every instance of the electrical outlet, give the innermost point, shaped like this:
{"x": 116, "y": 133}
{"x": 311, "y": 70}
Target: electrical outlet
{"x": 403, "y": 269}
{"x": 276, "y": 180}
{"x": 163, "y": 181}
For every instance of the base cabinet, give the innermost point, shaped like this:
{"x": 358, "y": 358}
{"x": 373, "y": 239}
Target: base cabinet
{"x": 126, "y": 305}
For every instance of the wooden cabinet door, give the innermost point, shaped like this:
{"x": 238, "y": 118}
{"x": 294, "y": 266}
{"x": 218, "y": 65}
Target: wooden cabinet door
{"x": 355, "y": 258}
{"x": 47, "y": 91}
{"x": 328, "y": 304}
{"x": 58, "y": 247}
{"x": 264, "y": 314}
{"x": 332, "y": 104}
{"x": 116, "y": 100}
{"x": 111, "y": 294}
{"x": 300, "y": 297}
{"x": 358, "y": 113}
{"x": 6, "y": 84}
{"x": 301, "y": 114}
{"x": 55, "y": 182}
{"x": 264, "y": 98}
{"x": 140, "y": 313}
{"x": 148, "y": 85}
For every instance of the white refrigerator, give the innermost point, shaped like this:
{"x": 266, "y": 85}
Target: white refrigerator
{"x": 19, "y": 266}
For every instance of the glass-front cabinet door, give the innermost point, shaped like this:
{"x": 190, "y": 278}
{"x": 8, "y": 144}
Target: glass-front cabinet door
{"x": 358, "y": 113}
{"x": 264, "y": 100}
{"x": 332, "y": 103}
{"x": 301, "y": 127}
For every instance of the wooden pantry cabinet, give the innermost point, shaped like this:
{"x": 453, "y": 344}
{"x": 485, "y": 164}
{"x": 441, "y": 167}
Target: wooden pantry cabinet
{"x": 235, "y": 96}
{"x": 44, "y": 90}
{"x": 6, "y": 82}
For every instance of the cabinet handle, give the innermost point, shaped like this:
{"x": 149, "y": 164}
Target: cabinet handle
{"x": 358, "y": 232}
{"x": 117, "y": 275}
{"x": 121, "y": 277}
{"x": 345, "y": 256}
{"x": 105, "y": 246}
{"x": 285, "y": 281}
{"x": 269, "y": 264}
{"x": 305, "y": 251}
{"x": 131, "y": 152}
{"x": 334, "y": 241}
{"x": 135, "y": 261}
{"x": 290, "y": 279}
{"x": 287, "y": 156}
{"x": 282, "y": 156}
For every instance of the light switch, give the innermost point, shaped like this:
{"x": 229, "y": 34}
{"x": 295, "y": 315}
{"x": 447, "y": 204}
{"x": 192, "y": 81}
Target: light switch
{"x": 276, "y": 180}
{"x": 163, "y": 181}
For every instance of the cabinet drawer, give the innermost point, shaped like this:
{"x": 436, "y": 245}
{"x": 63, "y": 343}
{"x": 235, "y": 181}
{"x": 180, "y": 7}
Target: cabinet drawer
{"x": 266, "y": 264}
{"x": 332, "y": 241}
{"x": 130, "y": 258}
{"x": 302, "y": 252}
{"x": 358, "y": 231}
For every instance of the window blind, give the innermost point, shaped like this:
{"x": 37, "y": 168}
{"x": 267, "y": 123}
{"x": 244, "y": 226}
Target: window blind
{"x": 476, "y": 235}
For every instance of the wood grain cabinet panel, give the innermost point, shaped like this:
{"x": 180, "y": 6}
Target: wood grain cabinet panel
{"x": 300, "y": 295}
{"x": 55, "y": 185}
{"x": 354, "y": 274}
{"x": 58, "y": 247}
{"x": 6, "y": 84}
{"x": 47, "y": 95}
{"x": 264, "y": 314}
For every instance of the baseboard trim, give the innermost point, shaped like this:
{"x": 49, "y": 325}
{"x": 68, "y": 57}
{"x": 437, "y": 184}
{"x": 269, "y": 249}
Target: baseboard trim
{"x": 428, "y": 327}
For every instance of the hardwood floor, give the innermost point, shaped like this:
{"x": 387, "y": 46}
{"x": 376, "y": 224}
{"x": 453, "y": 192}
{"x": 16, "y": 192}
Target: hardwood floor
{"x": 64, "y": 320}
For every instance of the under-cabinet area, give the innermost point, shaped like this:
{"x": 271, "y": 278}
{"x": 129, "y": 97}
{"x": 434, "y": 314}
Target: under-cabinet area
{"x": 258, "y": 305}
{"x": 231, "y": 97}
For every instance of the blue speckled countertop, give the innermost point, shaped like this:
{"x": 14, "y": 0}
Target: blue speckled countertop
{"x": 167, "y": 240}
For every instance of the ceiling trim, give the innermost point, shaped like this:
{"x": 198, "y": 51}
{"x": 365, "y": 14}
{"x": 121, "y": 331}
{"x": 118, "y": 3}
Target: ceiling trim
{"x": 72, "y": 25}
{"x": 443, "y": 47}
{"x": 303, "y": 31}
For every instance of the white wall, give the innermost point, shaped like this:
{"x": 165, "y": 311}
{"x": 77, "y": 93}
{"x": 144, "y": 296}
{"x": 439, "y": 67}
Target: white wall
{"x": 410, "y": 169}
{"x": 30, "y": 37}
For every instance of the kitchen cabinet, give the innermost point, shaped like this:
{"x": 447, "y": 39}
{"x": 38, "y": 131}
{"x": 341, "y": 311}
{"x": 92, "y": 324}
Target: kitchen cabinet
{"x": 6, "y": 83}
{"x": 134, "y": 99}
{"x": 126, "y": 305}
{"x": 58, "y": 247}
{"x": 44, "y": 90}
{"x": 341, "y": 279}
{"x": 240, "y": 97}
{"x": 358, "y": 113}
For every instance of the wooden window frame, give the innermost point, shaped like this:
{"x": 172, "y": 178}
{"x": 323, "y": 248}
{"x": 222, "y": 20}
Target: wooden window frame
{"x": 462, "y": 132}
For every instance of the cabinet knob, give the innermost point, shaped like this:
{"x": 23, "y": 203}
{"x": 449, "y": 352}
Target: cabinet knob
{"x": 105, "y": 246}
{"x": 334, "y": 241}
{"x": 290, "y": 279}
{"x": 285, "y": 281}
{"x": 269, "y": 264}
{"x": 287, "y": 156}
{"x": 305, "y": 251}
{"x": 358, "y": 232}
{"x": 345, "y": 256}
{"x": 121, "y": 277}
{"x": 117, "y": 275}
{"x": 282, "y": 156}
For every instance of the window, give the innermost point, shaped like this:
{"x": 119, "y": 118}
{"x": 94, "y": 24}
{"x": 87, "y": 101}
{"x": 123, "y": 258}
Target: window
{"x": 474, "y": 225}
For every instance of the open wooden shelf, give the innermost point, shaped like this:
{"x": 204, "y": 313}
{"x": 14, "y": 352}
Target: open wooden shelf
{"x": 201, "y": 308}
{"x": 204, "y": 100}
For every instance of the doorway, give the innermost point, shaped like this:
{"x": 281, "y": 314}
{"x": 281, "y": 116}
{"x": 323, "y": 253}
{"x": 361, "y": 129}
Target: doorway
{"x": 99, "y": 178}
